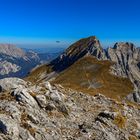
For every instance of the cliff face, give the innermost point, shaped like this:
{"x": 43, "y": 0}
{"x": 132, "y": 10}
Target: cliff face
{"x": 127, "y": 59}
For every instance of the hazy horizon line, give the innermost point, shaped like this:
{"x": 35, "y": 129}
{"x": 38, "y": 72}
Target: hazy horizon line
{"x": 57, "y": 42}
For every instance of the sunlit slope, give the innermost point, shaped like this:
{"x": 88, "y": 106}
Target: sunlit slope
{"x": 92, "y": 76}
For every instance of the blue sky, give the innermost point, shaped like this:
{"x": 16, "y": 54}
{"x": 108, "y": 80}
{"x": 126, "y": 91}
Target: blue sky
{"x": 46, "y": 21}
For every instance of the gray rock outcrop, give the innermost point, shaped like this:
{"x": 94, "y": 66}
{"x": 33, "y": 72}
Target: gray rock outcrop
{"x": 35, "y": 114}
{"x": 7, "y": 84}
{"x": 127, "y": 59}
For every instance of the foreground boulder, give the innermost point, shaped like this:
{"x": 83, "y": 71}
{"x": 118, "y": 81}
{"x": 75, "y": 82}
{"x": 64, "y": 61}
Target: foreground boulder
{"x": 22, "y": 95}
{"x": 51, "y": 112}
{"x": 9, "y": 127}
{"x": 41, "y": 99}
{"x": 7, "y": 84}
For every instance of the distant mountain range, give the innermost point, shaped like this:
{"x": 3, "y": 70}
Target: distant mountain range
{"x": 87, "y": 67}
{"x": 50, "y": 50}
{"x": 18, "y": 62}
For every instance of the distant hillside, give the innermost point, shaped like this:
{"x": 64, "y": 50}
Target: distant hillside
{"x": 49, "y": 50}
{"x": 18, "y": 62}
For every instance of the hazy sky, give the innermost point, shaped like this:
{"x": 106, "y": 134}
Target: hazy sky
{"x": 46, "y": 21}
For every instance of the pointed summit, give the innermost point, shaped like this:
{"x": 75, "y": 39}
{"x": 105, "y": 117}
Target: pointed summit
{"x": 84, "y": 47}
{"x": 95, "y": 40}
{"x": 85, "y": 43}
{"x": 89, "y": 46}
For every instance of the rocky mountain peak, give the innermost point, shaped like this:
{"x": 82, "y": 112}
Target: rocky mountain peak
{"x": 127, "y": 58}
{"x": 84, "y": 47}
{"x": 95, "y": 41}
{"x": 124, "y": 46}
{"x": 11, "y": 50}
{"x": 85, "y": 44}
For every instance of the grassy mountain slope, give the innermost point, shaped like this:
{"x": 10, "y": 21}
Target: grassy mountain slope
{"x": 92, "y": 76}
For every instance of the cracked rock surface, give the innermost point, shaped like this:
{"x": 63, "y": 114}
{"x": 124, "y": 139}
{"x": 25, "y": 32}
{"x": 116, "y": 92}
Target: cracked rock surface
{"x": 51, "y": 112}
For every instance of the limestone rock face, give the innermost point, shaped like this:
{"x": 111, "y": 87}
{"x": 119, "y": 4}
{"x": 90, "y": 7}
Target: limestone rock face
{"x": 8, "y": 67}
{"x": 11, "y": 83}
{"x": 11, "y": 50}
{"x": 23, "y": 95}
{"x": 51, "y": 112}
{"x": 9, "y": 127}
{"x": 127, "y": 59}
{"x": 41, "y": 100}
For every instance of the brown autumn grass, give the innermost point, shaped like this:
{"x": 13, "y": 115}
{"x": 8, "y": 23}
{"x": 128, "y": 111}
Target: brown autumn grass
{"x": 24, "y": 119}
{"x": 7, "y": 96}
{"x": 132, "y": 137}
{"x": 132, "y": 104}
{"x": 120, "y": 121}
{"x": 89, "y": 68}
